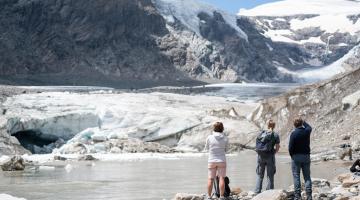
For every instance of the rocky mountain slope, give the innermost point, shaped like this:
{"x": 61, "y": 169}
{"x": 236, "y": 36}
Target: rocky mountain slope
{"x": 83, "y": 42}
{"x": 140, "y": 43}
{"x": 331, "y": 107}
{"x": 322, "y": 30}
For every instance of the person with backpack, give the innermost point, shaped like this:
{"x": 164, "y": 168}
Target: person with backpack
{"x": 267, "y": 145}
{"x": 299, "y": 150}
{"x": 216, "y": 144}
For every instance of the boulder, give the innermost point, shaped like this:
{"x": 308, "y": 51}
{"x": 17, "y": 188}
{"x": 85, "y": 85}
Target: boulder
{"x": 351, "y": 101}
{"x": 339, "y": 190}
{"x": 348, "y": 180}
{"x": 320, "y": 183}
{"x": 98, "y": 138}
{"x": 60, "y": 158}
{"x": 236, "y": 191}
{"x": 271, "y": 195}
{"x": 16, "y": 163}
{"x": 183, "y": 196}
{"x": 87, "y": 158}
{"x": 342, "y": 177}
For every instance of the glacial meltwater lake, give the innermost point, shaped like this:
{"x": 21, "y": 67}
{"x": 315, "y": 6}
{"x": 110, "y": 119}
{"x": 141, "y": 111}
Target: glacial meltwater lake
{"x": 155, "y": 177}
{"x": 143, "y": 179}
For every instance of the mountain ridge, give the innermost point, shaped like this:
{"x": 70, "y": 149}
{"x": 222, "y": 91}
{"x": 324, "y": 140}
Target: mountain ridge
{"x": 132, "y": 44}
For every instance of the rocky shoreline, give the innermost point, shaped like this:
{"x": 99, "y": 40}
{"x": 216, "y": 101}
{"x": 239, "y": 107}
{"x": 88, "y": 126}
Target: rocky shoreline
{"x": 343, "y": 187}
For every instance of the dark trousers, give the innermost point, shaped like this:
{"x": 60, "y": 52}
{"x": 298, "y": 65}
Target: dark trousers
{"x": 265, "y": 163}
{"x": 301, "y": 162}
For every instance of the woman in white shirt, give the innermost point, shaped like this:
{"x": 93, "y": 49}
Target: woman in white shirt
{"x": 216, "y": 143}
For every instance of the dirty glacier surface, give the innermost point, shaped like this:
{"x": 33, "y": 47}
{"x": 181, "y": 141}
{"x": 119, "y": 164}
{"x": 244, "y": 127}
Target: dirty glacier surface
{"x": 66, "y": 122}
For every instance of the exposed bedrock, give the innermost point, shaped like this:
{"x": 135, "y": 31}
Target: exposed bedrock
{"x": 331, "y": 107}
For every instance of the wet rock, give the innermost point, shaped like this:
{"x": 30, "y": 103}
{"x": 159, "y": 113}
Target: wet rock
{"x": 183, "y": 196}
{"x": 16, "y": 163}
{"x": 271, "y": 195}
{"x": 87, "y": 158}
{"x": 60, "y": 158}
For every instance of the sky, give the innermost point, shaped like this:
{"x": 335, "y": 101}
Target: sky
{"x": 234, "y": 6}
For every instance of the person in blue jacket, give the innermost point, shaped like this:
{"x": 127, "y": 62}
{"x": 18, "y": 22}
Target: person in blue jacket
{"x": 299, "y": 150}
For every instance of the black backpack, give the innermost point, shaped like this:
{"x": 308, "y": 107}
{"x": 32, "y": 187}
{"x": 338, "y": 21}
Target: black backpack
{"x": 217, "y": 187}
{"x": 265, "y": 143}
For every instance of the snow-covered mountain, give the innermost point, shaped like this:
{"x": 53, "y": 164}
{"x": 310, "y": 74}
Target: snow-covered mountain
{"x": 325, "y": 29}
{"x": 209, "y": 44}
{"x": 142, "y": 43}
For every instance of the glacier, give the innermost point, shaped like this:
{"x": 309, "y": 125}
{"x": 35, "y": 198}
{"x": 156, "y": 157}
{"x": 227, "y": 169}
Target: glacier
{"x": 93, "y": 123}
{"x": 320, "y": 7}
{"x": 187, "y": 12}
{"x": 326, "y": 72}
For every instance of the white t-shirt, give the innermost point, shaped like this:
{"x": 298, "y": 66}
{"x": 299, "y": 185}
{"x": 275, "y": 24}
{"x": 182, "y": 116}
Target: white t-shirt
{"x": 217, "y": 144}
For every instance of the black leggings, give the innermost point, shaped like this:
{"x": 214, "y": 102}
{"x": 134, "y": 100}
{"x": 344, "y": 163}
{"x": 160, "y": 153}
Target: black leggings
{"x": 353, "y": 168}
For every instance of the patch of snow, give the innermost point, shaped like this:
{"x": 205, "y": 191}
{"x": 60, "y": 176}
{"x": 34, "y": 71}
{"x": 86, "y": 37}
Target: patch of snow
{"x": 280, "y": 19}
{"x": 316, "y": 40}
{"x": 9, "y": 197}
{"x": 284, "y": 70}
{"x": 342, "y": 45}
{"x": 293, "y": 62}
{"x": 311, "y": 75}
{"x": 301, "y": 7}
{"x": 329, "y": 23}
{"x": 269, "y": 22}
{"x": 269, "y": 47}
{"x": 279, "y": 35}
{"x": 314, "y": 62}
{"x": 283, "y": 36}
{"x": 187, "y": 12}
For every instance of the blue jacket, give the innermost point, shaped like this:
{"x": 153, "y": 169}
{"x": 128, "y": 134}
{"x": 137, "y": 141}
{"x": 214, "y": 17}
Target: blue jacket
{"x": 300, "y": 140}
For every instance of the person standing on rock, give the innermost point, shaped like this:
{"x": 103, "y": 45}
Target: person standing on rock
{"x": 267, "y": 145}
{"x": 299, "y": 150}
{"x": 216, "y": 144}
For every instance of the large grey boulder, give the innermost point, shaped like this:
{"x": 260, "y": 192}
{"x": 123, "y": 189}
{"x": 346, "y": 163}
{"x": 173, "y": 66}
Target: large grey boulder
{"x": 351, "y": 101}
{"x": 16, "y": 163}
{"x": 271, "y": 195}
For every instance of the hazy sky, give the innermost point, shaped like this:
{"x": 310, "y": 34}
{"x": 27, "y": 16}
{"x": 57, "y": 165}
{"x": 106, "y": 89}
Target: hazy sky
{"x": 233, "y": 6}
